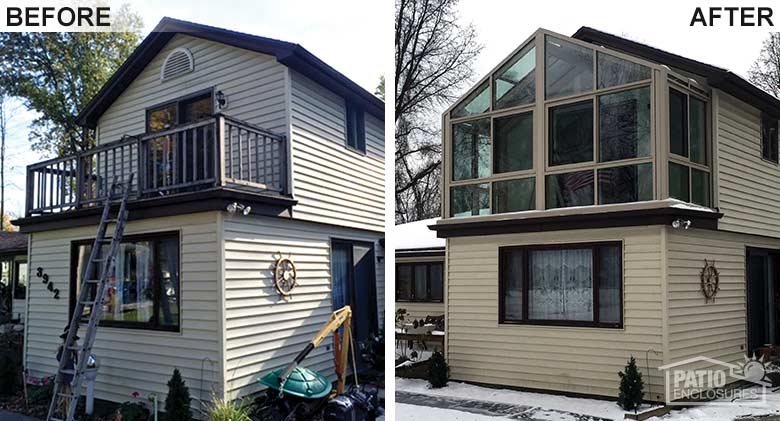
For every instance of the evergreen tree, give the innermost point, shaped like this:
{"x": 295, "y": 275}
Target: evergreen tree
{"x": 631, "y": 387}
{"x": 438, "y": 371}
{"x": 177, "y": 403}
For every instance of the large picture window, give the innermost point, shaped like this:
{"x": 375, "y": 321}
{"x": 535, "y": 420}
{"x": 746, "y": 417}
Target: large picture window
{"x": 419, "y": 282}
{"x": 145, "y": 290}
{"x": 568, "y": 285}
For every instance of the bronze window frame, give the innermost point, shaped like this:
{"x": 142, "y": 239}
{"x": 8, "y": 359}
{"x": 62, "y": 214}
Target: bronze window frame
{"x": 412, "y": 298}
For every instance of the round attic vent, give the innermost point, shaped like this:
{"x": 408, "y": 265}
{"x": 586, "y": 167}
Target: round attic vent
{"x": 178, "y": 62}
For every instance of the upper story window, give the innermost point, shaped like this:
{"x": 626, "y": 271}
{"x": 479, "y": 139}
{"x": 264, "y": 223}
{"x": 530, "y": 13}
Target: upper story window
{"x": 689, "y": 171}
{"x": 769, "y": 145}
{"x": 180, "y": 111}
{"x": 356, "y": 128}
{"x": 596, "y": 135}
{"x": 421, "y": 282}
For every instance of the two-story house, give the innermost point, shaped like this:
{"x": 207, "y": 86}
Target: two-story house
{"x": 244, "y": 150}
{"x": 603, "y": 199}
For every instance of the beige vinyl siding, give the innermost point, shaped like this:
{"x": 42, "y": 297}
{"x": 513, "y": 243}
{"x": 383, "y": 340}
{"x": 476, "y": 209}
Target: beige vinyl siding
{"x": 417, "y": 311}
{"x": 747, "y": 191}
{"x": 332, "y": 183}
{"x": 716, "y": 329}
{"x": 253, "y": 83}
{"x": 570, "y": 359}
{"x": 265, "y": 331}
{"x": 135, "y": 360}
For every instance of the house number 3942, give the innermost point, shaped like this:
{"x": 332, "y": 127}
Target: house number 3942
{"x": 49, "y": 285}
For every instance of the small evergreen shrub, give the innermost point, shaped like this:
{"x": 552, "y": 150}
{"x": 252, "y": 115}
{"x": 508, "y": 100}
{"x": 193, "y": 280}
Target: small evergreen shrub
{"x": 177, "y": 403}
{"x": 133, "y": 411}
{"x": 438, "y": 371}
{"x": 631, "y": 387}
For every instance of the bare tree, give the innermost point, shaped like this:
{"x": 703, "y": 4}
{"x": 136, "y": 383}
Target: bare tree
{"x": 434, "y": 56}
{"x": 765, "y": 72}
{"x": 3, "y": 125}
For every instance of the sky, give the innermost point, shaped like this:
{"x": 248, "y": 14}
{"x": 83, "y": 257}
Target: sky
{"x": 346, "y": 34}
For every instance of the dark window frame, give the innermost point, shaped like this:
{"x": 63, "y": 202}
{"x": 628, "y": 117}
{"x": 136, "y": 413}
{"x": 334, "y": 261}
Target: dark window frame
{"x": 176, "y": 102}
{"x": 708, "y": 144}
{"x": 356, "y": 139}
{"x": 154, "y": 326}
{"x": 775, "y": 159}
{"x": 502, "y": 256}
{"x": 412, "y": 298}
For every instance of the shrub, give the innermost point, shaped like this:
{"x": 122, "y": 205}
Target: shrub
{"x": 225, "y": 410}
{"x": 177, "y": 403}
{"x": 631, "y": 387}
{"x": 438, "y": 371}
{"x": 133, "y": 411}
{"x": 9, "y": 374}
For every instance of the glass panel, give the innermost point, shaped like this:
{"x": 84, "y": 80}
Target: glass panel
{"x": 437, "y": 282}
{"x": 514, "y": 195}
{"x": 678, "y": 182}
{"x": 476, "y": 103}
{"x": 570, "y": 189}
{"x": 571, "y": 133}
{"x": 513, "y": 139}
{"x": 632, "y": 183}
{"x": 512, "y": 278}
{"x": 20, "y": 286}
{"x": 196, "y": 109}
{"x": 470, "y": 200}
{"x": 568, "y": 68}
{"x": 162, "y": 119}
{"x": 515, "y": 81}
{"x": 420, "y": 282}
{"x": 130, "y": 293}
{"x": 700, "y": 187}
{"x": 698, "y": 125}
{"x": 403, "y": 282}
{"x": 341, "y": 267}
{"x": 678, "y": 123}
{"x": 168, "y": 267}
{"x": 471, "y": 149}
{"x": 560, "y": 285}
{"x": 613, "y": 71}
{"x": 624, "y": 124}
{"x": 769, "y": 145}
{"x": 609, "y": 284}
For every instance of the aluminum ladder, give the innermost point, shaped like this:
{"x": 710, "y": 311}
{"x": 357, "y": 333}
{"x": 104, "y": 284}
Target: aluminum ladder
{"x": 63, "y": 403}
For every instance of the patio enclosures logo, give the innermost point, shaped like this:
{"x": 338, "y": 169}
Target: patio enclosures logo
{"x": 702, "y": 380}
{"x": 55, "y": 16}
{"x": 732, "y": 16}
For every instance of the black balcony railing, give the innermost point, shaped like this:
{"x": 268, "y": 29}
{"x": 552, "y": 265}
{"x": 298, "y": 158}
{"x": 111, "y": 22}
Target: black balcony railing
{"x": 214, "y": 152}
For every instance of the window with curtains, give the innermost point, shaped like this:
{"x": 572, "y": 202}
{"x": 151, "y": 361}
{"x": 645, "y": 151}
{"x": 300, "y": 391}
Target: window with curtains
{"x": 569, "y": 285}
{"x": 419, "y": 282}
{"x": 144, "y": 292}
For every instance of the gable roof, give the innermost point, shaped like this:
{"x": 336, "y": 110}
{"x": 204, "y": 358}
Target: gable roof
{"x": 13, "y": 242}
{"x": 291, "y": 55}
{"x": 717, "y": 77}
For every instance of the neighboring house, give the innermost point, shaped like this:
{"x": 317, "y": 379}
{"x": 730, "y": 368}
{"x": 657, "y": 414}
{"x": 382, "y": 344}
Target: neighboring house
{"x": 419, "y": 264}
{"x": 590, "y": 184}
{"x": 13, "y": 271}
{"x": 213, "y": 122}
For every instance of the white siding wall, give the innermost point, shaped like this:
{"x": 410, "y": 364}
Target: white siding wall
{"x": 265, "y": 331}
{"x": 253, "y": 83}
{"x": 748, "y": 195}
{"x": 570, "y": 359}
{"x": 134, "y": 360}
{"x": 334, "y": 184}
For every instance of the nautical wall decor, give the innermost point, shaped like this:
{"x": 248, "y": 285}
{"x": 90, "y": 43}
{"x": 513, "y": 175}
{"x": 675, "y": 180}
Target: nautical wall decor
{"x": 710, "y": 281}
{"x": 285, "y": 276}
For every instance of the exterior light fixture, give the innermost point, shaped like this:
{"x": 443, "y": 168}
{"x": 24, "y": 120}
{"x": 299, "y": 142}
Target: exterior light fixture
{"x": 681, "y": 223}
{"x": 235, "y": 206}
{"x": 221, "y": 100}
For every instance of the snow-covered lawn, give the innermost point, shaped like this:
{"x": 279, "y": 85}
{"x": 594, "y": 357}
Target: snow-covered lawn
{"x": 592, "y": 407}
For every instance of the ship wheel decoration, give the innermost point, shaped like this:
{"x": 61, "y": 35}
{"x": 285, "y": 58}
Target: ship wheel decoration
{"x": 285, "y": 277}
{"x": 710, "y": 280}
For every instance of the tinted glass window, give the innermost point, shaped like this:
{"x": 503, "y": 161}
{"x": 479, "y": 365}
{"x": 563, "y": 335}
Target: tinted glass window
{"x": 196, "y": 109}
{"x": 571, "y": 133}
{"x": 514, "y": 195}
{"x": 678, "y": 123}
{"x": 698, "y": 127}
{"x": 632, "y": 183}
{"x": 678, "y": 182}
{"x": 624, "y": 125}
{"x": 568, "y": 68}
{"x": 514, "y": 82}
{"x": 470, "y": 200}
{"x": 476, "y": 103}
{"x": 769, "y": 146}
{"x": 420, "y": 282}
{"x": 513, "y": 139}
{"x": 162, "y": 118}
{"x": 403, "y": 282}
{"x": 437, "y": 282}
{"x": 613, "y": 71}
{"x": 471, "y": 149}
{"x": 570, "y": 189}
{"x": 356, "y": 129}
{"x": 512, "y": 269}
{"x": 609, "y": 283}
{"x": 700, "y": 187}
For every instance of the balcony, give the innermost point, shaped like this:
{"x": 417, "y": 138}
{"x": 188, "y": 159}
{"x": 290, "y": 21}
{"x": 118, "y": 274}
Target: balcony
{"x": 212, "y": 154}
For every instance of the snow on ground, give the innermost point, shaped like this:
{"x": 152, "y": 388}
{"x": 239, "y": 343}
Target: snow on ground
{"x": 715, "y": 411}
